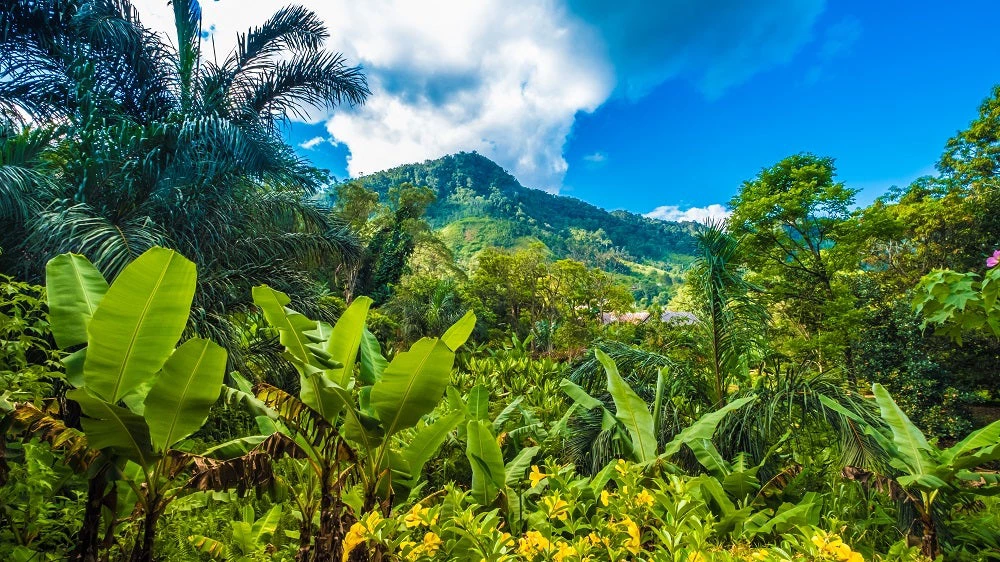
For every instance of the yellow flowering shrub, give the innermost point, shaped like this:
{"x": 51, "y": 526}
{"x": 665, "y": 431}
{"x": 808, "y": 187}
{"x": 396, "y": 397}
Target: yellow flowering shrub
{"x": 558, "y": 516}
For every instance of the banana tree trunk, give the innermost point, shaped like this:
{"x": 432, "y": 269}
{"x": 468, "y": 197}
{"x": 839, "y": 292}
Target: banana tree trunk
{"x": 143, "y": 549}
{"x": 929, "y": 540}
{"x": 88, "y": 538}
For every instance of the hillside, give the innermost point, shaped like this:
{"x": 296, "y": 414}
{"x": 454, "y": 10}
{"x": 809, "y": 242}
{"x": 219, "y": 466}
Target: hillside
{"x": 479, "y": 204}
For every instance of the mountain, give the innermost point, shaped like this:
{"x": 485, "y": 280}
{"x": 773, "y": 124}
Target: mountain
{"x": 479, "y": 204}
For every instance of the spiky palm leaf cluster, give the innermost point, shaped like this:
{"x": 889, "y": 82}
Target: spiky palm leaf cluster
{"x": 114, "y": 140}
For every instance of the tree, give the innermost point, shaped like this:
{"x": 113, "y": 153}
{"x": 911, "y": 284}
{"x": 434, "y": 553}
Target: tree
{"x": 731, "y": 322}
{"x": 508, "y": 286}
{"x": 391, "y": 232}
{"x": 148, "y": 127}
{"x": 970, "y": 166}
{"x": 790, "y": 216}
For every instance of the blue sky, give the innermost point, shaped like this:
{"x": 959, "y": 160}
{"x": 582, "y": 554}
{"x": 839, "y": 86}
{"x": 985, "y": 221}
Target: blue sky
{"x": 642, "y": 105}
{"x": 880, "y": 86}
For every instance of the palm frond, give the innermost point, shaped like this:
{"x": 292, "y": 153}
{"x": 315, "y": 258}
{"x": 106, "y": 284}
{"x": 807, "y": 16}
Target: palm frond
{"x": 109, "y": 244}
{"x": 291, "y": 28}
{"x": 291, "y": 88}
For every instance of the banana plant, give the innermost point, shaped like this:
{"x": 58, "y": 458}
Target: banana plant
{"x": 352, "y": 408}
{"x": 925, "y": 472}
{"x": 632, "y": 416}
{"x": 734, "y": 493}
{"x": 140, "y": 395}
{"x": 248, "y": 536}
{"x": 493, "y": 481}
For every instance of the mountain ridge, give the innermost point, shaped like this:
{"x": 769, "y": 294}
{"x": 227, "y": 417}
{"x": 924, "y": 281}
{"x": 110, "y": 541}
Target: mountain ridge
{"x": 470, "y": 187}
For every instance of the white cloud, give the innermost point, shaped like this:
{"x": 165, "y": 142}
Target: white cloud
{"x": 597, "y": 157}
{"x": 504, "y": 78}
{"x": 312, "y": 143}
{"x": 507, "y": 78}
{"x": 673, "y": 213}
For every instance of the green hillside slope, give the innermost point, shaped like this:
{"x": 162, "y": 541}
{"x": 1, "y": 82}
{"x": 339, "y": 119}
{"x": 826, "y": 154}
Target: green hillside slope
{"x": 479, "y": 204}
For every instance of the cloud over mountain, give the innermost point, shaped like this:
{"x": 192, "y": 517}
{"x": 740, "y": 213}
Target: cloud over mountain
{"x": 507, "y": 78}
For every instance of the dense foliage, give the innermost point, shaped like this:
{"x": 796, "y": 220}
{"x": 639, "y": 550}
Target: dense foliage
{"x": 435, "y": 363}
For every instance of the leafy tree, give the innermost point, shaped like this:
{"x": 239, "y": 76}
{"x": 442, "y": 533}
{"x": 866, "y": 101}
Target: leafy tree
{"x": 391, "y": 232}
{"x": 508, "y": 286}
{"x": 790, "y": 216}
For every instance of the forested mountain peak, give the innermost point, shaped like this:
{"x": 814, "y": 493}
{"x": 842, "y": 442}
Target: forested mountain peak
{"x": 480, "y": 204}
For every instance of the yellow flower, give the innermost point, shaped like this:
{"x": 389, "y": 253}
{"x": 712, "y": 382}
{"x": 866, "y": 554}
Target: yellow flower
{"x": 695, "y": 557}
{"x": 564, "y": 551}
{"x": 594, "y": 538}
{"x": 536, "y": 476}
{"x": 644, "y": 498}
{"x": 556, "y": 507}
{"x": 415, "y": 517}
{"x": 819, "y": 541}
{"x": 355, "y": 536}
{"x": 525, "y": 548}
{"x": 432, "y": 543}
{"x": 634, "y": 542}
{"x": 842, "y": 551}
{"x": 532, "y": 542}
{"x": 621, "y": 467}
{"x": 855, "y": 557}
{"x": 372, "y": 520}
{"x": 604, "y": 497}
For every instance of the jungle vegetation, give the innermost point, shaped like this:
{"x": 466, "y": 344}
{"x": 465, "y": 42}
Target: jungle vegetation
{"x": 210, "y": 349}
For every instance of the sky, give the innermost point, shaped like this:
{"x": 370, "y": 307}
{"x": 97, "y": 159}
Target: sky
{"x": 661, "y": 108}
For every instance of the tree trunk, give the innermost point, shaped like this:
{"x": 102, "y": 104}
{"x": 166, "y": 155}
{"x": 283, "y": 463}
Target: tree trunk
{"x": 143, "y": 550}
{"x": 929, "y": 541}
{"x": 305, "y": 537}
{"x": 87, "y": 538}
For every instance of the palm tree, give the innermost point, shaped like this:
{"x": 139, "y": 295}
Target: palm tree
{"x": 152, "y": 144}
{"x": 731, "y": 322}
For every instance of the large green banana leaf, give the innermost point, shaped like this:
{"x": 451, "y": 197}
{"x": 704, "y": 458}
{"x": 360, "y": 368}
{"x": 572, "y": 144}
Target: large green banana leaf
{"x": 113, "y": 428}
{"x": 292, "y": 326}
{"x": 913, "y": 448}
{"x": 74, "y": 288}
{"x": 184, "y": 392}
{"x": 346, "y": 339}
{"x": 412, "y": 384}
{"x": 373, "y": 363}
{"x": 479, "y": 402}
{"x": 988, "y": 436}
{"x": 137, "y": 324}
{"x": 488, "y": 471}
{"x": 316, "y": 389}
{"x": 428, "y": 440}
{"x": 460, "y": 331}
{"x": 630, "y": 410}
{"x": 704, "y": 428}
